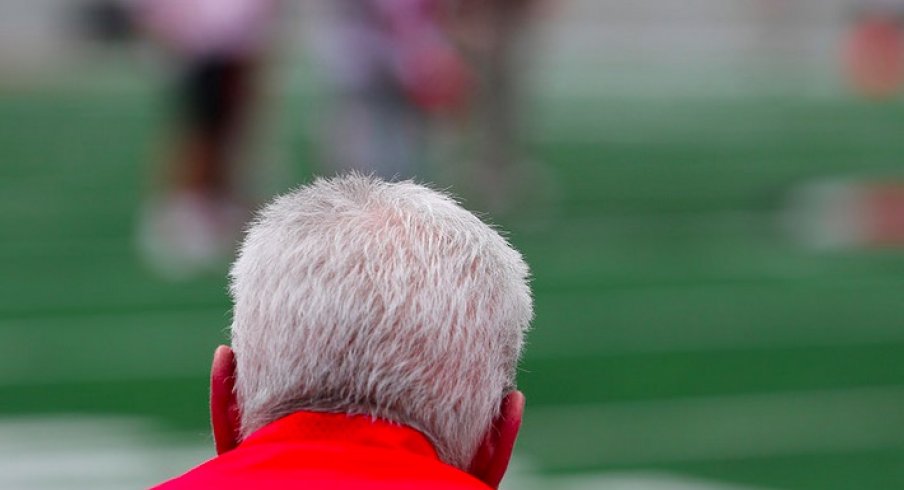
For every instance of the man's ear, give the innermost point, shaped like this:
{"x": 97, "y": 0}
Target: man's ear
{"x": 494, "y": 453}
{"x": 224, "y": 410}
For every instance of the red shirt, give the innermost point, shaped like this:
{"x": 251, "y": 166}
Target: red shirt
{"x": 317, "y": 451}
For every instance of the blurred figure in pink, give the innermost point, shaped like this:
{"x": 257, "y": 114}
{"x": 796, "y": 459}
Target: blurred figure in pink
{"x": 192, "y": 222}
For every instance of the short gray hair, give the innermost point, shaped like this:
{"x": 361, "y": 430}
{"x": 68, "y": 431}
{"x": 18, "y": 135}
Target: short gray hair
{"x": 360, "y": 296}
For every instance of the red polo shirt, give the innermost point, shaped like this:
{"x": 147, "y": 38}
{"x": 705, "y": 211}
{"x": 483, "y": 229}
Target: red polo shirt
{"x": 317, "y": 451}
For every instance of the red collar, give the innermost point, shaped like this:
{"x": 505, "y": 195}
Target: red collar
{"x": 354, "y": 429}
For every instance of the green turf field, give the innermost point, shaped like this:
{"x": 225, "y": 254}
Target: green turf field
{"x": 678, "y": 328}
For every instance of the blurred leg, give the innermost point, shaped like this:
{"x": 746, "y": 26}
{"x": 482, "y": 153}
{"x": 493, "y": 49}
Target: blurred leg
{"x": 215, "y": 97}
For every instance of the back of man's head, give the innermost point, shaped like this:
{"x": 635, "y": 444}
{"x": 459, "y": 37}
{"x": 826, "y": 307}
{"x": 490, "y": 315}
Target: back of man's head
{"x": 358, "y": 296}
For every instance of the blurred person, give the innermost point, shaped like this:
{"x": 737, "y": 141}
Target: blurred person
{"x": 410, "y": 75}
{"x": 392, "y": 72}
{"x": 874, "y": 48}
{"x": 376, "y": 332}
{"x": 192, "y": 223}
{"x": 494, "y": 36}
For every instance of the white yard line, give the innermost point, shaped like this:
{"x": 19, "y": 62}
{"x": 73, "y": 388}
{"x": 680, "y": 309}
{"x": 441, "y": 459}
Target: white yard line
{"x": 716, "y": 428}
{"x": 77, "y": 452}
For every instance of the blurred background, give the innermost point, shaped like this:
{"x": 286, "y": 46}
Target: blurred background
{"x": 710, "y": 194}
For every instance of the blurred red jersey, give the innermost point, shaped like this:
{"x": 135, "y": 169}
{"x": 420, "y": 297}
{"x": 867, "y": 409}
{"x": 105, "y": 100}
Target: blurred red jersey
{"x": 328, "y": 451}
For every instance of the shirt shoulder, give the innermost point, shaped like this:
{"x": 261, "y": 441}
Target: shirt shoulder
{"x": 331, "y": 467}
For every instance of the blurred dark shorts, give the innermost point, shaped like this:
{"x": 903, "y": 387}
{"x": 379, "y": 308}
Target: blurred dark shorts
{"x": 211, "y": 90}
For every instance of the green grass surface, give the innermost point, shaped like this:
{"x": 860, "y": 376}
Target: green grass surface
{"x": 678, "y": 328}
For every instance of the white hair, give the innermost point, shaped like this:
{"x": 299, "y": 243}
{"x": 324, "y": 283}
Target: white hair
{"x": 359, "y": 296}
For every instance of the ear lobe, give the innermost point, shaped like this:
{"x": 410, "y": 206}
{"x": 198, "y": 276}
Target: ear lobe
{"x": 224, "y": 411}
{"x": 495, "y": 452}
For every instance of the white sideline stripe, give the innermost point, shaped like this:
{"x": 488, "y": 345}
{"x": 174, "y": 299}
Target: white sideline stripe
{"x": 74, "y": 453}
{"x": 716, "y": 428}
{"x": 78, "y": 452}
